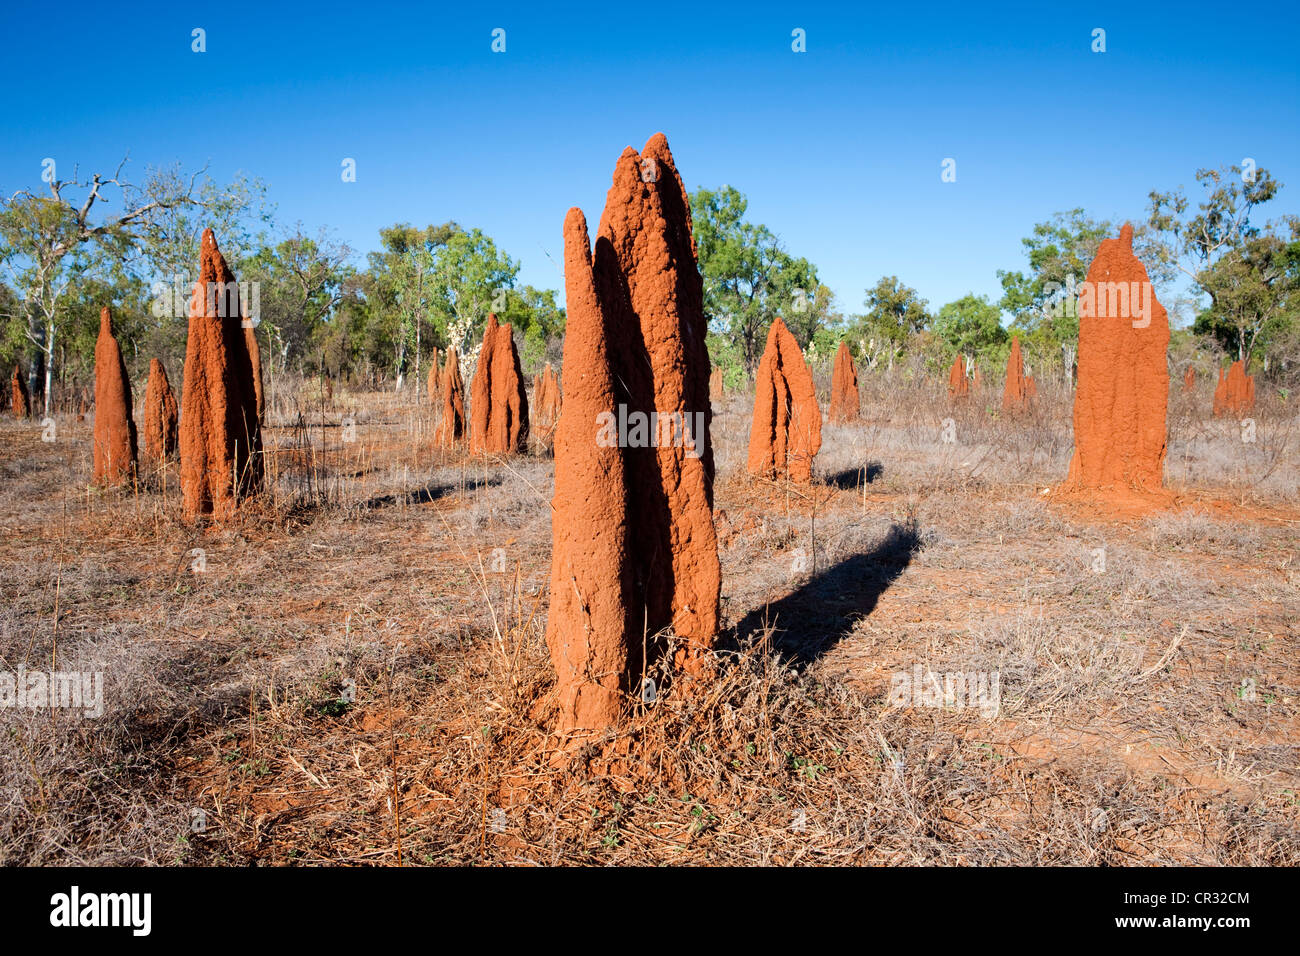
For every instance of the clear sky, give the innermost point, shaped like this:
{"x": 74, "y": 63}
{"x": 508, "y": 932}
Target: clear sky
{"x": 839, "y": 149}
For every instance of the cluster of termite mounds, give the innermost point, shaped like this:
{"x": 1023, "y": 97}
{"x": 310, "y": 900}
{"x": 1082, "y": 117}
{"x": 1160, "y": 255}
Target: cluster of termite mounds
{"x": 114, "y": 434}
{"x": 786, "y": 432}
{"x": 634, "y": 546}
{"x": 846, "y": 404}
{"x": 1235, "y": 392}
{"x": 498, "y": 400}
{"x": 1122, "y": 395}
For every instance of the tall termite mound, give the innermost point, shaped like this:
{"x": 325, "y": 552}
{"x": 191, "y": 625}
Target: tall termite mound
{"x": 787, "y": 429}
{"x": 434, "y": 382}
{"x": 160, "y": 437}
{"x": 498, "y": 400}
{"x": 958, "y": 387}
{"x": 1235, "y": 392}
{"x": 635, "y": 552}
{"x": 717, "y": 388}
{"x": 18, "y": 402}
{"x": 114, "y": 454}
{"x": 1016, "y": 391}
{"x": 545, "y": 410}
{"x": 846, "y": 406}
{"x": 451, "y": 428}
{"x": 220, "y": 432}
{"x": 1123, "y": 391}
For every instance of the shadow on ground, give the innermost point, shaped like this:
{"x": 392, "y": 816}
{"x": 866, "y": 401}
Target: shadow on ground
{"x": 433, "y": 491}
{"x": 856, "y": 477}
{"x": 822, "y": 611}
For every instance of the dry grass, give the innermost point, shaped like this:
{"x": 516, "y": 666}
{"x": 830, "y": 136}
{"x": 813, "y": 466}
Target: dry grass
{"x": 360, "y": 673}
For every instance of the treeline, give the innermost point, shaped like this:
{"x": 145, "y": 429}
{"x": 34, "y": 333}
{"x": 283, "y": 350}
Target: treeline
{"x": 71, "y": 246}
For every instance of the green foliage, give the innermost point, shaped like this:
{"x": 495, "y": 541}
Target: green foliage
{"x": 970, "y": 326}
{"x": 895, "y": 312}
{"x": 749, "y": 278}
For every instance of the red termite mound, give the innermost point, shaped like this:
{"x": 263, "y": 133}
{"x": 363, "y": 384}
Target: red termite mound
{"x": 1235, "y": 393}
{"x": 452, "y": 426}
{"x": 1189, "y": 379}
{"x": 498, "y": 400}
{"x": 18, "y": 403}
{"x": 114, "y": 453}
{"x": 220, "y": 432}
{"x": 634, "y": 547}
{"x": 160, "y": 437}
{"x": 845, "y": 404}
{"x": 977, "y": 380}
{"x": 957, "y": 384}
{"x": 787, "y": 429}
{"x": 1015, "y": 393}
{"x": 1123, "y": 390}
{"x": 434, "y": 381}
{"x": 717, "y": 387}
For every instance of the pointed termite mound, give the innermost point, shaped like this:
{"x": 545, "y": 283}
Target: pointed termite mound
{"x": 977, "y": 380}
{"x": 160, "y": 435}
{"x": 115, "y": 448}
{"x": 434, "y": 382}
{"x": 846, "y": 406}
{"x": 1189, "y": 379}
{"x": 451, "y": 428}
{"x": 787, "y": 429}
{"x": 1235, "y": 393}
{"x": 958, "y": 387}
{"x": 498, "y": 400}
{"x": 545, "y": 410}
{"x": 1123, "y": 390}
{"x": 18, "y": 402}
{"x": 220, "y": 433}
{"x": 1015, "y": 393}
{"x": 635, "y": 551}
{"x": 717, "y": 388}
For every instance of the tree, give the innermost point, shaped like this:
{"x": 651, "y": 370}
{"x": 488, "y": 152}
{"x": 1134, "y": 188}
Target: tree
{"x": 895, "y": 313}
{"x": 749, "y": 278}
{"x": 45, "y": 241}
{"x": 1223, "y": 253}
{"x": 970, "y": 326}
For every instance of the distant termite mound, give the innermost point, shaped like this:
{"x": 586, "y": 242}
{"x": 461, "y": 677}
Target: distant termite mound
{"x": 1016, "y": 392}
{"x": 18, "y": 402}
{"x": 958, "y": 387}
{"x": 498, "y": 400}
{"x": 1235, "y": 392}
{"x": 160, "y": 435}
{"x": 717, "y": 389}
{"x": 787, "y": 429}
{"x": 1123, "y": 391}
{"x": 220, "y": 432}
{"x": 634, "y": 546}
{"x": 115, "y": 440}
{"x": 1189, "y": 379}
{"x": 545, "y": 410}
{"x": 451, "y": 427}
{"x": 434, "y": 382}
{"x": 846, "y": 405}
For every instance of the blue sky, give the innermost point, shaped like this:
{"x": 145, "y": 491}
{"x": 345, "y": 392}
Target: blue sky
{"x": 839, "y": 149}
